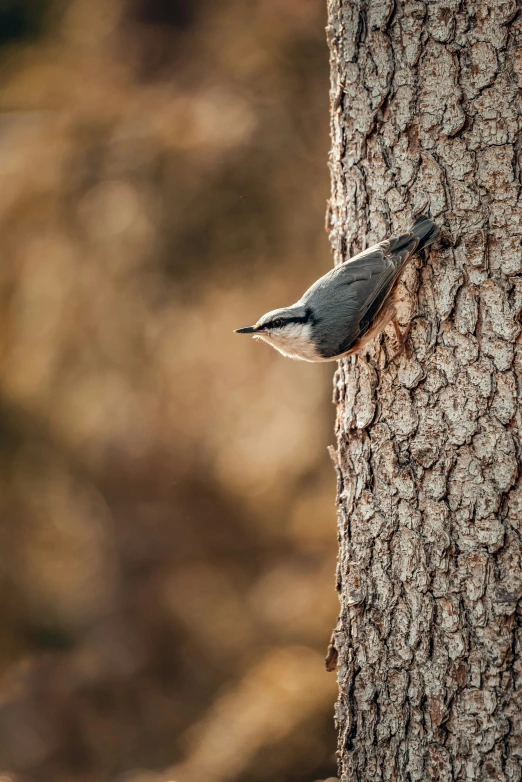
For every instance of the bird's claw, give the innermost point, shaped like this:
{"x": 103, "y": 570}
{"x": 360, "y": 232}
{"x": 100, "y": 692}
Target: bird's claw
{"x": 402, "y": 339}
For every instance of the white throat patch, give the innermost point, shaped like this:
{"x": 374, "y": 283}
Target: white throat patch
{"x": 293, "y": 341}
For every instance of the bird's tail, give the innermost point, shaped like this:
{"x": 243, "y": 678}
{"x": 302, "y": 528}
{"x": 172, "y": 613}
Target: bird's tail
{"x": 425, "y": 230}
{"x": 422, "y": 233}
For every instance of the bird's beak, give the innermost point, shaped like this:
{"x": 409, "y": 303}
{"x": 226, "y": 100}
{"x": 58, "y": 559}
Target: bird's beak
{"x": 246, "y": 330}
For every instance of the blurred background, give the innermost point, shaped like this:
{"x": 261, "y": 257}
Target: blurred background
{"x": 167, "y": 534}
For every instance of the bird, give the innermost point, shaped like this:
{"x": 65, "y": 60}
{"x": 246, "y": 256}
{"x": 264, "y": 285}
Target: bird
{"x": 350, "y": 305}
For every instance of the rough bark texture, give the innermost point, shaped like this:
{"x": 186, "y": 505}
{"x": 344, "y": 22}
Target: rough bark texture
{"x": 426, "y": 117}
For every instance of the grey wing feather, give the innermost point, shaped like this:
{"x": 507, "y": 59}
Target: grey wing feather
{"x": 348, "y": 298}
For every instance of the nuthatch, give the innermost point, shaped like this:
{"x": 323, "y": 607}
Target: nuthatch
{"x": 347, "y": 307}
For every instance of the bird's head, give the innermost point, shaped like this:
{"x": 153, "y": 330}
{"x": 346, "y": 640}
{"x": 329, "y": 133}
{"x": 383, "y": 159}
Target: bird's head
{"x": 288, "y": 330}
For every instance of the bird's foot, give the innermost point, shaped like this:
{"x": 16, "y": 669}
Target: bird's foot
{"x": 402, "y": 342}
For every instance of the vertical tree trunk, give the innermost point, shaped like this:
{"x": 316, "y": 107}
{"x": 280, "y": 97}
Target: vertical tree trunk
{"x": 426, "y": 117}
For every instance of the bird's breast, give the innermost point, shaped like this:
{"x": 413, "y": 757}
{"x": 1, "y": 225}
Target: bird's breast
{"x": 298, "y": 346}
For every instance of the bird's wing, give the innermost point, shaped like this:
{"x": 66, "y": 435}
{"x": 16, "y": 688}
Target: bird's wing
{"x": 352, "y": 294}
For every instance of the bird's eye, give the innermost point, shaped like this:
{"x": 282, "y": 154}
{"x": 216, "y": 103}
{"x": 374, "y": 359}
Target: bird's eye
{"x": 278, "y": 323}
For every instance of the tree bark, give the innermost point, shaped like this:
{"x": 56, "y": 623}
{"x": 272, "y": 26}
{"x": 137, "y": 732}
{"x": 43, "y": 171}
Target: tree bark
{"x": 425, "y": 117}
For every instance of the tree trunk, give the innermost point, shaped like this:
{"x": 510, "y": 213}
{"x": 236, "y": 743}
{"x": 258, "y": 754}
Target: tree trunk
{"x": 425, "y": 117}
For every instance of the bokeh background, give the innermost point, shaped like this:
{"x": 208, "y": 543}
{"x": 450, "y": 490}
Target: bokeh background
{"x": 167, "y": 534}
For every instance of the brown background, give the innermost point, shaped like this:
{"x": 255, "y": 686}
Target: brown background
{"x": 167, "y": 538}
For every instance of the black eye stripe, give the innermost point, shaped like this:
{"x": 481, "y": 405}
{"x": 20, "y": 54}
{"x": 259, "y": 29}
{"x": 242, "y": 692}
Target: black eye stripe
{"x": 280, "y": 322}
{"x": 275, "y": 324}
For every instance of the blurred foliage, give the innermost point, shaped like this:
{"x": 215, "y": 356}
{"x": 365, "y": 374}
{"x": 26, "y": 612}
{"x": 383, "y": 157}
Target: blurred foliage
{"x": 167, "y": 530}
{"x": 21, "y": 19}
